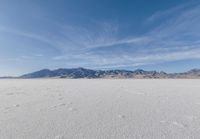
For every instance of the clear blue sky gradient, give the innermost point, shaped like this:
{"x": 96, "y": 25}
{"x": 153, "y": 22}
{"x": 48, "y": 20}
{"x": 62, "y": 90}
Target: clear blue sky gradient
{"x": 99, "y": 34}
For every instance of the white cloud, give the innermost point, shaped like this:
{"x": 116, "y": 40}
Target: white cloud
{"x": 26, "y": 34}
{"x": 175, "y": 39}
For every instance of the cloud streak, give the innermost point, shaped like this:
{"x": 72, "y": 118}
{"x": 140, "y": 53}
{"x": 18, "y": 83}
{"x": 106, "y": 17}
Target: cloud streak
{"x": 101, "y": 45}
{"x": 173, "y": 40}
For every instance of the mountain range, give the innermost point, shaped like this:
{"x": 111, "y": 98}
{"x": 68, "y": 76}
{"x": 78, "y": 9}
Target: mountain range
{"x": 75, "y": 73}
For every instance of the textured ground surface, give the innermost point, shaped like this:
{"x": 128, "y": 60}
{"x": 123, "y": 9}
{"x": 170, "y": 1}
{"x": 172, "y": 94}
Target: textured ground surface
{"x": 99, "y": 109}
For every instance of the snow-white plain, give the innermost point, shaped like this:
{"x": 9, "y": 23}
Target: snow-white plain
{"x": 99, "y": 109}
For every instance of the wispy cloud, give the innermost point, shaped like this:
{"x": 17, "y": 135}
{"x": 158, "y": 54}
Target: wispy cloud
{"x": 101, "y": 45}
{"x": 166, "y": 13}
{"x": 27, "y": 34}
{"x": 175, "y": 39}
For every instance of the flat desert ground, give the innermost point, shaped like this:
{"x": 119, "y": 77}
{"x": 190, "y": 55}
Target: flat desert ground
{"x": 99, "y": 109}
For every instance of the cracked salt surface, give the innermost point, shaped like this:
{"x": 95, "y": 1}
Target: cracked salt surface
{"x": 99, "y": 109}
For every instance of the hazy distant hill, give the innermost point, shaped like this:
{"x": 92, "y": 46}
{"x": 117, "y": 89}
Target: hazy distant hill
{"x": 88, "y": 73}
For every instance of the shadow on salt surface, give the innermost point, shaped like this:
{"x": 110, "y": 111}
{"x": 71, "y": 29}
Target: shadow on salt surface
{"x": 57, "y": 106}
{"x": 121, "y": 116}
{"x": 14, "y": 106}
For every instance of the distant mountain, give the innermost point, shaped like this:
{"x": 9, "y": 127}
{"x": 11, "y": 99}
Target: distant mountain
{"x": 194, "y": 73}
{"x": 88, "y": 73}
{"x": 63, "y": 73}
{"x": 8, "y": 77}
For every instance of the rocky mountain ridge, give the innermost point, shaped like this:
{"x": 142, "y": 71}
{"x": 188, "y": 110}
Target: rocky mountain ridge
{"x": 75, "y": 73}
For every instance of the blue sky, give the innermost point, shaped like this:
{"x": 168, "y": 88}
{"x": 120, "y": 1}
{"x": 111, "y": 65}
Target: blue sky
{"x": 99, "y": 34}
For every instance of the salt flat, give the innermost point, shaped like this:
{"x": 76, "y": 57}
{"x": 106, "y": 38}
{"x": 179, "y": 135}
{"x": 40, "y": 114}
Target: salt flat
{"x": 99, "y": 109}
